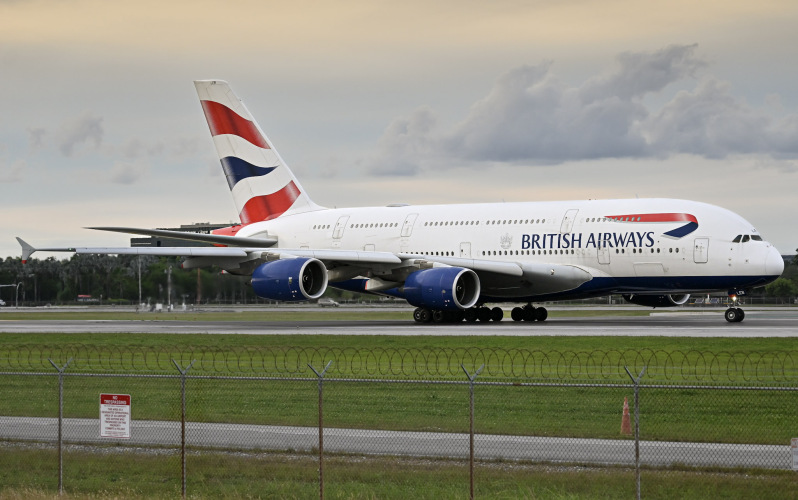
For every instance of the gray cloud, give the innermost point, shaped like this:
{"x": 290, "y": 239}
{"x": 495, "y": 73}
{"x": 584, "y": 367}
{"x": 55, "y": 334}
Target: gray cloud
{"x": 406, "y": 142}
{"x": 532, "y": 117}
{"x": 36, "y": 138}
{"x": 127, "y": 173}
{"x": 10, "y": 171}
{"x": 85, "y": 129}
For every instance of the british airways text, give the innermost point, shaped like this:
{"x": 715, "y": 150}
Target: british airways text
{"x": 590, "y": 240}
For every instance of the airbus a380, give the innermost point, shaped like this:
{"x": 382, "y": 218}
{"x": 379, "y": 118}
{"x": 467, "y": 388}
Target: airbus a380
{"x": 450, "y": 260}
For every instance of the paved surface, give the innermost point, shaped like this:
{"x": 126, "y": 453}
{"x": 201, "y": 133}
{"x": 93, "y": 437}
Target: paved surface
{"x": 419, "y": 444}
{"x": 759, "y": 322}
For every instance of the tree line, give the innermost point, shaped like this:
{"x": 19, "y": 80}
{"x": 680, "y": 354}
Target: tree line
{"x": 115, "y": 279}
{"x": 118, "y": 279}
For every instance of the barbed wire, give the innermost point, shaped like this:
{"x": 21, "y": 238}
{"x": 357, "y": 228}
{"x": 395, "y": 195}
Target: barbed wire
{"x": 595, "y": 365}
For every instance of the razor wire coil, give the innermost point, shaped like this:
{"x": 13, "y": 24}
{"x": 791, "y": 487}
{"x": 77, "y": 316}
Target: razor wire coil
{"x": 500, "y": 363}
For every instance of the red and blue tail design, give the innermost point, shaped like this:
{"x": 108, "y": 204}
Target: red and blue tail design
{"x": 262, "y": 185}
{"x": 680, "y": 232}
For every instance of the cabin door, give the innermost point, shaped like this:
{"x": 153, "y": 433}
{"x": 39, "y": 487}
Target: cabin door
{"x": 701, "y": 250}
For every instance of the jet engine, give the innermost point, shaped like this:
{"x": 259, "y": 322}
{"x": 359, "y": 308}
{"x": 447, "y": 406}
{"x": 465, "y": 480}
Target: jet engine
{"x": 442, "y": 288}
{"x": 290, "y": 279}
{"x": 657, "y": 300}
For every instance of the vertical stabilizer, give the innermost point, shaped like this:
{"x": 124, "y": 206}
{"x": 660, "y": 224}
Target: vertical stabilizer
{"x": 262, "y": 185}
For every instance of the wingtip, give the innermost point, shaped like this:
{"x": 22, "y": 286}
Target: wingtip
{"x": 27, "y": 249}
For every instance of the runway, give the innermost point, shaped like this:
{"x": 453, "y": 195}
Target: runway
{"x": 759, "y": 322}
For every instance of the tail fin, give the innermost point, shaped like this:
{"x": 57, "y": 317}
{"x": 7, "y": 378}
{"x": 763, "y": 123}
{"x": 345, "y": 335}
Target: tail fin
{"x": 262, "y": 185}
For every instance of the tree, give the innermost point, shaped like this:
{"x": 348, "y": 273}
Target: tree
{"x": 782, "y": 287}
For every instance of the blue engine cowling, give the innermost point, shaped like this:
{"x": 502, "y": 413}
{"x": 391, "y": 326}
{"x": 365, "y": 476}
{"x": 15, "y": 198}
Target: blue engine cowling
{"x": 657, "y": 300}
{"x": 290, "y": 279}
{"x": 442, "y": 288}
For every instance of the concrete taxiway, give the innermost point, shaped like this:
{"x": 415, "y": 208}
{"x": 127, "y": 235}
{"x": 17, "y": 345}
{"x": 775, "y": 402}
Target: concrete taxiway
{"x": 417, "y": 444}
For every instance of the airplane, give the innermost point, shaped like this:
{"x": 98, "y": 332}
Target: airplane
{"x": 449, "y": 261}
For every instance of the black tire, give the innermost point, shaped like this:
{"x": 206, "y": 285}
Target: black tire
{"x": 438, "y": 316}
{"x": 425, "y": 315}
{"x": 484, "y": 314}
{"x": 517, "y": 314}
{"x": 471, "y": 314}
{"x": 496, "y": 314}
{"x": 541, "y": 314}
{"x": 529, "y": 313}
{"x": 742, "y": 314}
{"x": 732, "y": 315}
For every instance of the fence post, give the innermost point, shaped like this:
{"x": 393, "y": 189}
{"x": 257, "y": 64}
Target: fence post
{"x": 60, "y": 422}
{"x": 321, "y": 427}
{"x": 471, "y": 379}
{"x": 183, "y": 422}
{"x": 637, "y": 424}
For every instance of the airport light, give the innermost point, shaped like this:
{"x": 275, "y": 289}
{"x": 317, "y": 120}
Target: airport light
{"x": 16, "y": 293}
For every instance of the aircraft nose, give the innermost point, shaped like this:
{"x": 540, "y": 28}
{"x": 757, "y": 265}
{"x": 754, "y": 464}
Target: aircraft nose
{"x": 774, "y": 264}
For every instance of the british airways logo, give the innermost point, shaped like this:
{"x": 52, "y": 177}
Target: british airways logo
{"x": 688, "y": 222}
{"x": 616, "y": 239}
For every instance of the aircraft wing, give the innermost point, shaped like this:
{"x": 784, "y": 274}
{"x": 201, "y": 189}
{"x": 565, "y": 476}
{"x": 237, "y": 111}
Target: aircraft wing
{"x": 216, "y": 239}
{"x": 346, "y": 264}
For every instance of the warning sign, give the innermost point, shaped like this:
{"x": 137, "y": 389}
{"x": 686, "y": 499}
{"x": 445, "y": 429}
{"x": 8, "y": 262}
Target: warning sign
{"x": 115, "y": 416}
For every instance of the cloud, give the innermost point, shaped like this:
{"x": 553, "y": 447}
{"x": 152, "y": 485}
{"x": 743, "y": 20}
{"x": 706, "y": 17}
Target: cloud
{"x": 86, "y": 129}
{"x": 11, "y": 171}
{"x": 127, "y": 173}
{"x": 36, "y": 138}
{"x": 406, "y": 142}
{"x": 530, "y": 116}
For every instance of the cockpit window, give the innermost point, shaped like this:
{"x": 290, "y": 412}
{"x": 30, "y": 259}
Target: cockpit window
{"x": 756, "y": 237}
{"x": 737, "y": 239}
{"x": 746, "y": 238}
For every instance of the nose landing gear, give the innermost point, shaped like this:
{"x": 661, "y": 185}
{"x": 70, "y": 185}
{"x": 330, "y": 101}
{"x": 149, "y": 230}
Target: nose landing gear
{"x": 734, "y": 315}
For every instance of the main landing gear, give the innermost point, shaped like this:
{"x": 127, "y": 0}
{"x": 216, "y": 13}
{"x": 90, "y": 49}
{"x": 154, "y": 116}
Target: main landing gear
{"x": 479, "y": 313}
{"x": 734, "y": 315}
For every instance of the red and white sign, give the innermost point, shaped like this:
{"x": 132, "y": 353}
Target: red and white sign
{"x": 115, "y": 416}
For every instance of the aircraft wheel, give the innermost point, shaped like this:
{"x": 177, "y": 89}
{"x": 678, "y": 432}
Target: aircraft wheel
{"x": 733, "y": 315}
{"x": 742, "y": 314}
{"x": 471, "y": 314}
{"x": 541, "y": 314}
{"x": 529, "y": 313}
{"x": 484, "y": 314}
{"x": 457, "y": 316}
{"x": 424, "y": 315}
{"x": 496, "y": 314}
{"x": 438, "y": 316}
{"x": 517, "y": 314}
{"x": 417, "y": 315}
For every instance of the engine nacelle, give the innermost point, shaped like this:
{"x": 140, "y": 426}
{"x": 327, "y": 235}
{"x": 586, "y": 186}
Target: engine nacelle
{"x": 657, "y": 300}
{"x": 442, "y": 288}
{"x": 290, "y": 279}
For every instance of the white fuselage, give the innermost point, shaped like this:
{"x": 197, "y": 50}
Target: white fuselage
{"x": 613, "y": 240}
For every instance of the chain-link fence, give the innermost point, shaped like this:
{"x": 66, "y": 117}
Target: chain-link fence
{"x": 297, "y": 422}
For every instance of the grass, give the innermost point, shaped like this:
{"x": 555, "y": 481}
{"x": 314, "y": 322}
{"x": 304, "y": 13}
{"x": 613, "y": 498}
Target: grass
{"x": 28, "y": 473}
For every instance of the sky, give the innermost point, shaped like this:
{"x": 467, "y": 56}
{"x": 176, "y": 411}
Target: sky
{"x": 375, "y": 102}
